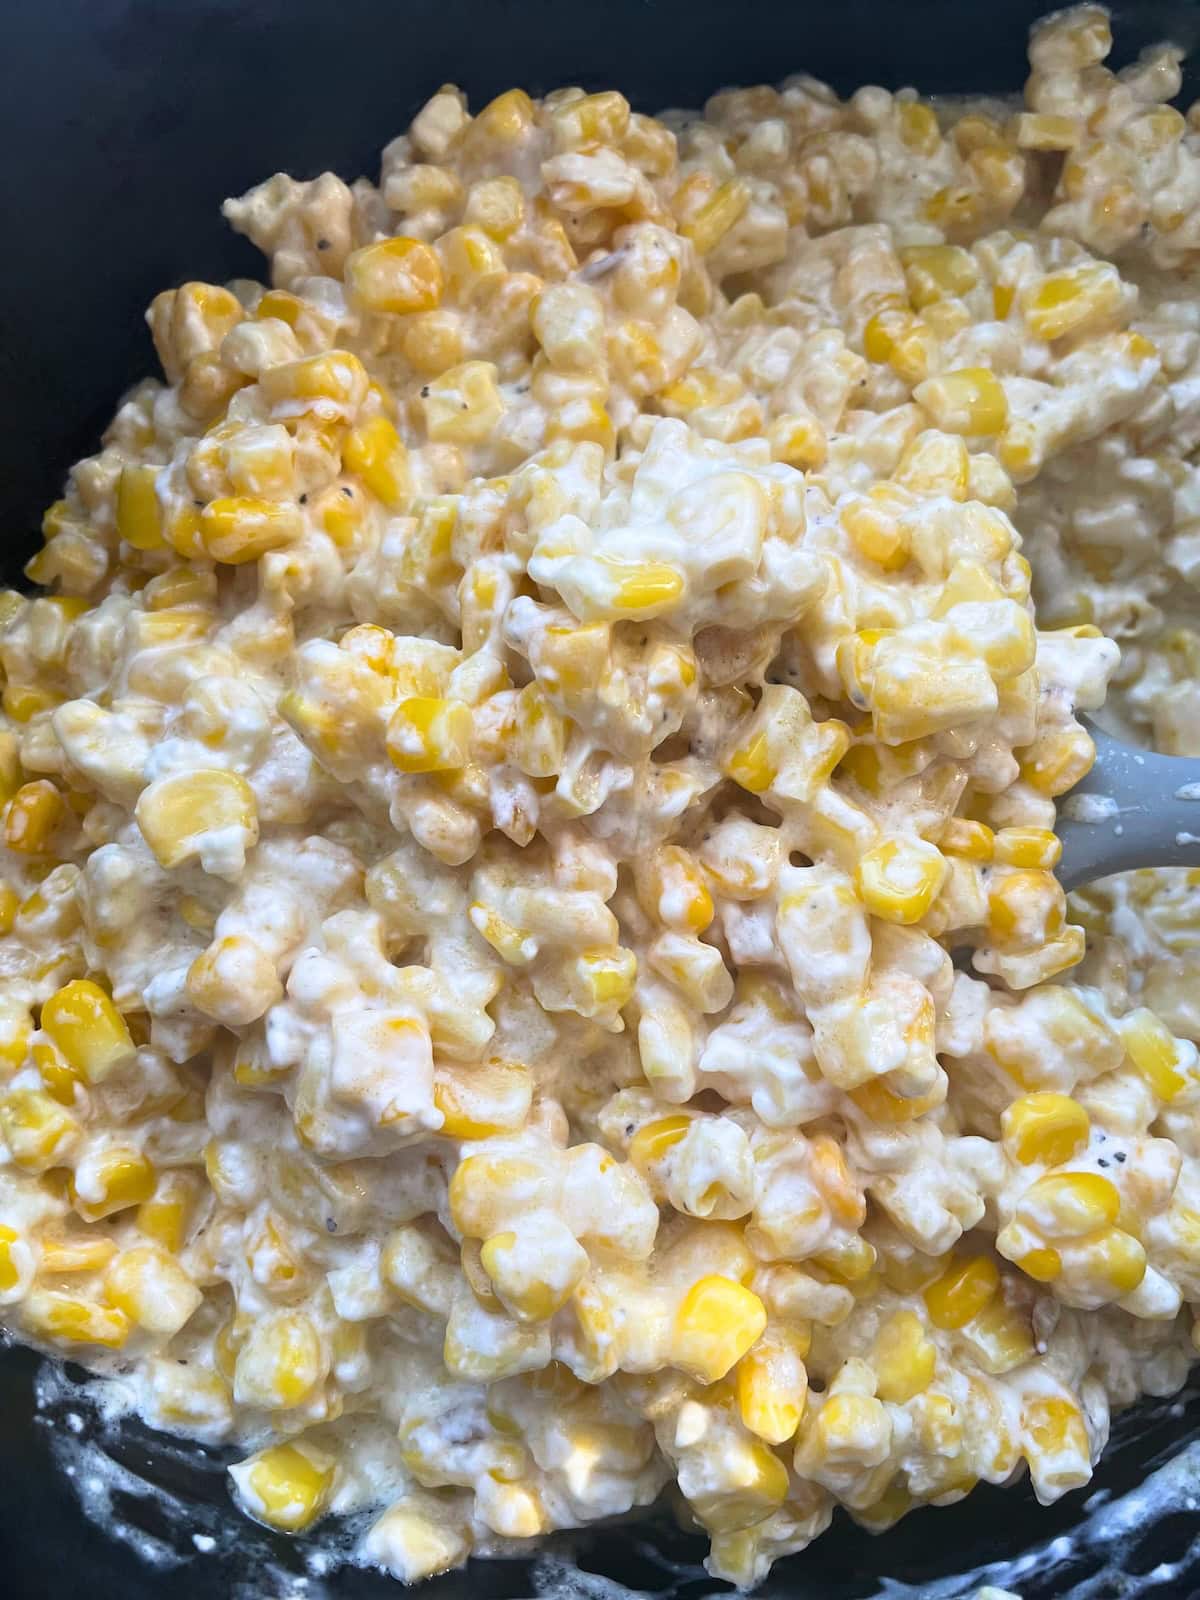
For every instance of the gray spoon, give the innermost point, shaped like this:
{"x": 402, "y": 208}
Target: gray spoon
{"x": 1134, "y": 809}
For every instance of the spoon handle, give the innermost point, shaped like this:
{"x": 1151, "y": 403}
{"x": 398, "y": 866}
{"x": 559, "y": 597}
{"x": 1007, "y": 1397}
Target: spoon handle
{"x": 1135, "y": 808}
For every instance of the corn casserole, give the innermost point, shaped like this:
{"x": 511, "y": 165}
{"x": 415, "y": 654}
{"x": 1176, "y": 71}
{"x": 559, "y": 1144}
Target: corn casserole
{"x": 532, "y": 964}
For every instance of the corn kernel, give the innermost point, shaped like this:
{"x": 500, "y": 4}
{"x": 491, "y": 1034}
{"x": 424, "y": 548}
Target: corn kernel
{"x": 717, "y": 216}
{"x": 115, "y": 1179}
{"x": 488, "y": 1100}
{"x": 400, "y": 276}
{"x": 88, "y": 1029}
{"x": 51, "y": 1315}
{"x": 375, "y": 452}
{"x": 287, "y": 1486}
{"x": 1048, "y": 1128}
{"x": 1154, "y": 1052}
{"x": 1028, "y": 847}
{"x": 179, "y": 816}
{"x": 39, "y": 1133}
{"x": 936, "y": 271}
{"x": 715, "y": 1325}
{"x": 900, "y": 878}
{"x": 463, "y": 405}
{"x": 969, "y": 401}
{"x": 903, "y": 1358}
{"x": 280, "y": 1363}
{"x": 427, "y": 734}
{"x": 962, "y": 1291}
{"x": 1076, "y": 300}
{"x": 139, "y": 521}
{"x": 33, "y": 814}
{"x": 772, "y": 1385}
{"x": 152, "y": 1289}
{"x": 244, "y": 527}
{"x": 653, "y": 1139}
{"x": 1069, "y": 1205}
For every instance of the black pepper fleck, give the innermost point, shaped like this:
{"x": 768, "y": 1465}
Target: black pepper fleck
{"x": 331, "y": 1224}
{"x": 1102, "y": 1163}
{"x": 1119, "y": 1155}
{"x": 322, "y": 244}
{"x": 425, "y": 392}
{"x": 303, "y": 499}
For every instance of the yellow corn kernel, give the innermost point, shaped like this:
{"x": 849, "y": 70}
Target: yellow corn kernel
{"x": 506, "y": 118}
{"x": 1028, "y": 847}
{"x": 917, "y": 125}
{"x": 39, "y": 1133}
{"x": 1020, "y": 898}
{"x": 10, "y": 1262}
{"x": 10, "y": 766}
{"x": 88, "y": 1029}
{"x": 593, "y": 119}
{"x": 463, "y": 405}
{"x": 497, "y": 205}
{"x": 398, "y": 275}
{"x": 540, "y": 734}
{"x": 485, "y": 1188}
{"x": 1069, "y": 1205}
{"x": 935, "y": 464}
{"x": 715, "y": 1325}
{"x": 962, "y": 1291}
{"x": 851, "y": 1262}
{"x": 165, "y": 1216}
{"x": 903, "y": 1358}
{"x": 426, "y": 734}
{"x": 9, "y": 902}
{"x": 532, "y": 1296}
{"x": 1055, "y": 1425}
{"x": 1043, "y": 1263}
{"x": 968, "y": 401}
{"x": 1000, "y": 1337}
{"x": 937, "y": 272}
{"x": 139, "y": 521}
{"x": 653, "y": 1139}
{"x": 1058, "y": 761}
{"x": 76, "y": 1255}
{"x": 960, "y": 836}
{"x": 375, "y": 452}
{"x": 850, "y": 1425}
{"x": 280, "y": 1362}
{"x": 1076, "y": 300}
{"x": 485, "y": 1101}
{"x": 717, "y": 216}
{"x": 1046, "y": 1127}
{"x": 23, "y": 702}
{"x": 900, "y": 878}
{"x": 177, "y": 814}
{"x": 644, "y": 590}
{"x": 330, "y": 387}
{"x": 152, "y": 1289}
{"x": 286, "y": 1486}
{"x": 876, "y": 533}
{"x": 1117, "y": 1259}
{"x": 243, "y": 527}
{"x": 51, "y": 1315}
{"x": 751, "y": 766}
{"x": 16, "y": 1028}
{"x": 772, "y": 1386}
{"x": 1154, "y": 1052}
{"x": 33, "y": 814}
{"x": 673, "y": 891}
{"x": 118, "y": 1178}
{"x": 799, "y": 440}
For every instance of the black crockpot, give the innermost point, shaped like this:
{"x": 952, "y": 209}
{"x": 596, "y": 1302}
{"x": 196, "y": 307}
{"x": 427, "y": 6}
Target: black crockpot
{"x": 123, "y": 124}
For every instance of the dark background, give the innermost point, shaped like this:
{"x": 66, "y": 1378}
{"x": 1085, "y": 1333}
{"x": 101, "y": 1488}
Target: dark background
{"x": 123, "y": 124}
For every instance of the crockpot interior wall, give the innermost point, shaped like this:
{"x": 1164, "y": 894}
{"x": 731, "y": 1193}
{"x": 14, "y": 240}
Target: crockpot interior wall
{"x": 123, "y": 124}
